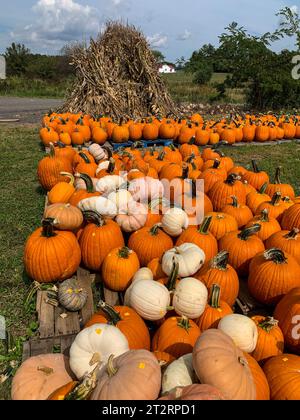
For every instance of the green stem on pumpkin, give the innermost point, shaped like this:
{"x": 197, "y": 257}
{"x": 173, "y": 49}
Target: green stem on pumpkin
{"x": 173, "y": 276}
{"x": 84, "y": 157}
{"x": 48, "y": 227}
{"x": 124, "y": 252}
{"x": 245, "y": 234}
{"x": 220, "y": 261}
{"x": 264, "y": 215}
{"x": 255, "y": 167}
{"x": 92, "y": 216}
{"x": 276, "y": 198}
{"x": 232, "y": 178}
{"x": 113, "y": 316}
{"x": 235, "y": 203}
{"x": 52, "y": 150}
{"x": 214, "y": 300}
{"x": 203, "y": 228}
{"x": 67, "y": 174}
{"x": 82, "y": 391}
{"x": 292, "y": 234}
{"x": 276, "y": 255}
{"x": 111, "y": 370}
{"x": 87, "y": 180}
{"x": 154, "y": 229}
{"x": 277, "y": 175}
{"x": 263, "y": 188}
{"x": 268, "y": 324}
{"x": 184, "y": 323}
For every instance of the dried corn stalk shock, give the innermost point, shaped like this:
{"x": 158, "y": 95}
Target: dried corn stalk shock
{"x": 117, "y": 75}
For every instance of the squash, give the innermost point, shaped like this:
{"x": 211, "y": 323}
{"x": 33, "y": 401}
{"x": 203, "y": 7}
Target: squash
{"x": 190, "y": 298}
{"x": 149, "y": 298}
{"x": 39, "y": 376}
{"x": 241, "y": 329}
{"x": 71, "y": 295}
{"x": 175, "y": 221}
{"x": 176, "y": 336}
{"x": 219, "y": 362}
{"x": 66, "y": 217}
{"x": 178, "y": 373}
{"x": 189, "y": 257}
{"x": 94, "y": 345}
{"x": 196, "y": 392}
{"x": 101, "y": 205}
{"x": 135, "y": 375}
{"x": 282, "y": 373}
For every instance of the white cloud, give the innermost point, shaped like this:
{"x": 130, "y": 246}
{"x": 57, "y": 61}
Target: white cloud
{"x": 185, "y": 35}
{"x": 157, "y": 40}
{"x": 58, "y": 22}
{"x": 294, "y": 9}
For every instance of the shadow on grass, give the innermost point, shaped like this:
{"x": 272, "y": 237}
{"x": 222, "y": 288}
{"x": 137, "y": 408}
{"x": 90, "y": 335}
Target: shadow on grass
{"x": 40, "y": 190}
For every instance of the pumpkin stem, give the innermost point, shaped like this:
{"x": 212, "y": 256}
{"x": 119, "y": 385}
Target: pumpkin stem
{"x": 113, "y": 316}
{"x": 268, "y": 323}
{"x": 276, "y": 255}
{"x": 84, "y": 157}
{"x": 87, "y": 180}
{"x": 245, "y": 234}
{"x": 276, "y": 198}
{"x": 216, "y": 164}
{"x": 255, "y": 167}
{"x": 154, "y": 230}
{"x": 52, "y": 150}
{"x": 235, "y": 203}
{"x": 111, "y": 370}
{"x": 232, "y": 178}
{"x": 263, "y": 188}
{"x": 220, "y": 261}
{"x": 203, "y": 228}
{"x": 173, "y": 276}
{"x": 214, "y": 300}
{"x": 124, "y": 252}
{"x": 108, "y": 151}
{"x": 46, "y": 370}
{"x": 277, "y": 175}
{"x": 242, "y": 361}
{"x": 84, "y": 388}
{"x": 161, "y": 156}
{"x": 48, "y": 227}
{"x": 111, "y": 166}
{"x": 92, "y": 216}
{"x": 67, "y": 174}
{"x": 185, "y": 171}
{"x": 184, "y": 323}
{"x": 292, "y": 234}
{"x": 264, "y": 215}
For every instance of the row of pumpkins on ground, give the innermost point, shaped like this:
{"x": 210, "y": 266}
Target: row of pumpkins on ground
{"x": 78, "y": 129}
{"x": 176, "y": 327}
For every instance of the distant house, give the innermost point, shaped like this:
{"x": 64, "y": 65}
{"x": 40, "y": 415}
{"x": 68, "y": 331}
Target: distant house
{"x": 166, "y": 68}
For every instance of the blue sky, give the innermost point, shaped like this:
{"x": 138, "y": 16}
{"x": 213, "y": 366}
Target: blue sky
{"x": 176, "y": 27}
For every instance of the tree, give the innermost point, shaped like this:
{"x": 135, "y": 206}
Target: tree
{"x": 205, "y": 54}
{"x": 203, "y": 73}
{"x": 180, "y": 63}
{"x": 17, "y": 57}
{"x": 264, "y": 75}
{"x": 159, "y": 56}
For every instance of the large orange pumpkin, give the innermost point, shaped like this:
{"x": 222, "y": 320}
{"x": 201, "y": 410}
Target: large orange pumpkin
{"x": 51, "y": 255}
{"x": 270, "y": 341}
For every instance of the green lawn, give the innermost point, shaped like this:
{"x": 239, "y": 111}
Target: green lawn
{"x": 22, "y": 204}
{"x": 182, "y": 89}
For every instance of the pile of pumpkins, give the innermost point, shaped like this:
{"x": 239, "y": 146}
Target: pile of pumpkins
{"x": 78, "y": 129}
{"x": 175, "y": 335}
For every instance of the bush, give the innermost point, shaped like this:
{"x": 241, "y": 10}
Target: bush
{"x": 203, "y": 74}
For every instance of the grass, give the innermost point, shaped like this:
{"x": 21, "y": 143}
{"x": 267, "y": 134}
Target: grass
{"x": 34, "y": 88}
{"x": 21, "y": 210}
{"x": 183, "y": 89}
{"x": 22, "y": 204}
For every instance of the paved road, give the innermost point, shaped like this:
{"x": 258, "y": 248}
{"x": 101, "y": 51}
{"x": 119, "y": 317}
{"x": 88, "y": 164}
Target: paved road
{"x": 29, "y": 110}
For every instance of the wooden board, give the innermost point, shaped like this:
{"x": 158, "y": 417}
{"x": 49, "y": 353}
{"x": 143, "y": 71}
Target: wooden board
{"x": 247, "y": 305}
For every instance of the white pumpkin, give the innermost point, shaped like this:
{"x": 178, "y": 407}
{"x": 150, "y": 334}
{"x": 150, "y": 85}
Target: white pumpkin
{"x": 79, "y": 183}
{"x": 149, "y": 299}
{"x": 94, "y": 345}
{"x": 133, "y": 218}
{"x": 102, "y": 165}
{"x": 146, "y": 189}
{"x": 241, "y": 329}
{"x": 143, "y": 273}
{"x": 190, "y": 298}
{"x": 121, "y": 198}
{"x": 97, "y": 152}
{"x": 179, "y": 373}
{"x": 175, "y": 221}
{"x": 189, "y": 257}
{"x": 101, "y": 205}
{"x": 109, "y": 183}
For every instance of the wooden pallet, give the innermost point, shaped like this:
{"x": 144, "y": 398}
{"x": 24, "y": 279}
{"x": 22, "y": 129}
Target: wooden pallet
{"x": 247, "y": 305}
